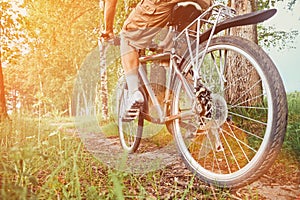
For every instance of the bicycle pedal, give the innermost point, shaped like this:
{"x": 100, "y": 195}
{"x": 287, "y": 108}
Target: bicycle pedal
{"x": 133, "y": 110}
{"x": 131, "y": 115}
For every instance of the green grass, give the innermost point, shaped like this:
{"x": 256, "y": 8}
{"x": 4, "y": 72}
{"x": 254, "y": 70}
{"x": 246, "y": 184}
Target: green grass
{"x": 43, "y": 161}
{"x": 292, "y": 139}
{"x": 40, "y": 160}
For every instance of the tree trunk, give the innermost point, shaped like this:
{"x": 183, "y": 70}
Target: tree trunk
{"x": 103, "y": 81}
{"x": 3, "y": 108}
{"x": 104, "y": 95}
{"x": 243, "y": 7}
{"x": 234, "y": 70}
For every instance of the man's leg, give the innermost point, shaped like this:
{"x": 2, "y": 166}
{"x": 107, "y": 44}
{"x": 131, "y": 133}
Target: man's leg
{"x": 130, "y": 63}
{"x": 137, "y": 34}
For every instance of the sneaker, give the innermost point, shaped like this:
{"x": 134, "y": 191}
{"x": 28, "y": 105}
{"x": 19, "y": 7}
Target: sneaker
{"x": 133, "y": 104}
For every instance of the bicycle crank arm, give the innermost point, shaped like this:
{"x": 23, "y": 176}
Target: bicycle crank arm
{"x": 180, "y": 115}
{"x": 161, "y": 56}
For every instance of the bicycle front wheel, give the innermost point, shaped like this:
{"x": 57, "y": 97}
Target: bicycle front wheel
{"x": 236, "y": 134}
{"x": 130, "y": 131}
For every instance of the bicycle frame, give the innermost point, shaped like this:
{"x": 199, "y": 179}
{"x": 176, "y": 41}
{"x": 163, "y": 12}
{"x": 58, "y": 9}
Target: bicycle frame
{"x": 220, "y": 18}
{"x": 173, "y": 71}
{"x": 174, "y": 59}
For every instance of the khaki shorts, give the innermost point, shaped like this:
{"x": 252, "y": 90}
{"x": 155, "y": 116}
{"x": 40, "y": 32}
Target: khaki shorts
{"x": 146, "y": 20}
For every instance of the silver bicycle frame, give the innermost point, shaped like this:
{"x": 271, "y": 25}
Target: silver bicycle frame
{"x": 174, "y": 70}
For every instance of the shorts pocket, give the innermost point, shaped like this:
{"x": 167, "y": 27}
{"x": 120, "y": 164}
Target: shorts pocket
{"x": 135, "y": 26}
{"x": 148, "y": 8}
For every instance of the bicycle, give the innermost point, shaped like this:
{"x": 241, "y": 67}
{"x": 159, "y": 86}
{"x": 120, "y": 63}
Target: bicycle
{"x": 225, "y": 139}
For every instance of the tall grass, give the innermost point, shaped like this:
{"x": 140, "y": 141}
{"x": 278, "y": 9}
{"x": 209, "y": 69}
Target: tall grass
{"x": 58, "y": 168}
{"x": 292, "y": 140}
{"x": 61, "y": 168}
{"x": 50, "y": 162}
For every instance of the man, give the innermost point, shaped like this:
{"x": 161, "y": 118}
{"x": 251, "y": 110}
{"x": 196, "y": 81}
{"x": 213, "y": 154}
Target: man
{"x": 143, "y": 23}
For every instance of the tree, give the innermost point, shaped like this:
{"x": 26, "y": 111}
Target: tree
{"x": 60, "y": 34}
{"x": 250, "y": 32}
{"x": 62, "y": 30}
{"x": 265, "y": 36}
{"x": 13, "y": 42}
{"x": 3, "y": 108}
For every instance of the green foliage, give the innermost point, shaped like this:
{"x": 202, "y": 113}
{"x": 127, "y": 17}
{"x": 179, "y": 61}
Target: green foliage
{"x": 276, "y": 39}
{"x": 263, "y": 4}
{"x": 294, "y": 105}
{"x": 268, "y": 36}
{"x": 57, "y": 166}
{"x": 61, "y": 34}
{"x": 41, "y": 161}
{"x": 292, "y": 140}
{"x": 123, "y": 10}
{"x": 13, "y": 38}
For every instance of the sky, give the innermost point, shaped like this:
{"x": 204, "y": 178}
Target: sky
{"x": 287, "y": 60}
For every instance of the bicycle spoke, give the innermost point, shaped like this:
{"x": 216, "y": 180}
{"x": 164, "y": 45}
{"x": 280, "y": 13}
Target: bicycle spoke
{"x": 225, "y": 157}
{"x": 215, "y": 157}
{"x": 231, "y": 152}
{"x": 225, "y": 142}
{"x": 247, "y": 91}
{"x": 243, "y": 130}
{"x": 248, "y": 107}
{"x": 219, "y": 68}
{"x": 246, "y": 101}
{"x": 237, "y": 80}
{"x": 248, "y": 118}
{"x": 240, "y": 141}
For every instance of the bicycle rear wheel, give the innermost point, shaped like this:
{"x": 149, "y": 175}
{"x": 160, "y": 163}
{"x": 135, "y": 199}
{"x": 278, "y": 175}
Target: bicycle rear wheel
{"x": 130, "y": 131}
{"x": 238, "y": 137}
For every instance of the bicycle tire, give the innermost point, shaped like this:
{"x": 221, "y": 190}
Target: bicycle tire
{"x": 130, "y": 132}
{"x": 251, "y": 136}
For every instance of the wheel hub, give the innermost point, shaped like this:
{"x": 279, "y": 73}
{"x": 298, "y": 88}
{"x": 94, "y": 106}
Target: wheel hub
{"x": 218, "y": 110}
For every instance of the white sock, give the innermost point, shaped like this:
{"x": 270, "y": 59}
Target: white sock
{"x": 132, "y": 82}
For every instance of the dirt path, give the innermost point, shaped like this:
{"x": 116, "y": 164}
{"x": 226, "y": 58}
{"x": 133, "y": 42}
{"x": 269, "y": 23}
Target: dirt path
{"x": 270, "y": 186}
